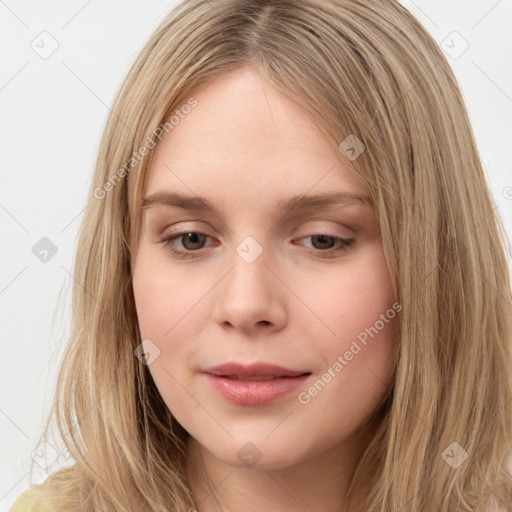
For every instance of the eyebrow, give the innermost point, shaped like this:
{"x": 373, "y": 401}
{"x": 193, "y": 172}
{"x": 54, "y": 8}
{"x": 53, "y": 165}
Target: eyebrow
{"x": 291, "y": 204}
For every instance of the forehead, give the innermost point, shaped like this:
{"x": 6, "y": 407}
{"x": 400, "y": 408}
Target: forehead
{"x": 247, "y": 142}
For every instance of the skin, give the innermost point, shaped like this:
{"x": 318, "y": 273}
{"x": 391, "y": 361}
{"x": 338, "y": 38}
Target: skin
{"x": 246, "y": 146}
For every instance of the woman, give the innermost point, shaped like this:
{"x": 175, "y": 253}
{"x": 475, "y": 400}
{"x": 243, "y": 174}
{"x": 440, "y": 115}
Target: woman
{"x": 298, "y": 144}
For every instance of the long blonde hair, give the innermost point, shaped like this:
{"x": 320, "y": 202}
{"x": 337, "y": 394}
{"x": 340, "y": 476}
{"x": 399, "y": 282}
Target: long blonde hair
{"x": 365, "y": 68}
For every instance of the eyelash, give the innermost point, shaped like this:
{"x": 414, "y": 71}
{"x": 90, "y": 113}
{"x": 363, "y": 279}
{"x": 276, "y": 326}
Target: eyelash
{"x": 346, "y": 244}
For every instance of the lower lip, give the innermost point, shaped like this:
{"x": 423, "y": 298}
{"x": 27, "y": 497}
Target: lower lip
{"x": 245, "y": 392}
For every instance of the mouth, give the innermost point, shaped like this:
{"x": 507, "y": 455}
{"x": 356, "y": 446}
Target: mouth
{"x": 254, "y": 385}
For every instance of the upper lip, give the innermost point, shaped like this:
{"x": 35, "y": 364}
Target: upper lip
{"x": 253, "y": 370}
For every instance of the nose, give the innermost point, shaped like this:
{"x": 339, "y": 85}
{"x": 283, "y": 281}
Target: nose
{"x": 250, "y": 297}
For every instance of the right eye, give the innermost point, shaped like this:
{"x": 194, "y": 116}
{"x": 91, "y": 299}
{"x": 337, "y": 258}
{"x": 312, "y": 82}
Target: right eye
{"x": 192, "y": 241}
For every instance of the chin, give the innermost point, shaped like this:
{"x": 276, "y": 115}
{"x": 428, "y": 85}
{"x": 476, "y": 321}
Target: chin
{"x": 257, "y": 455}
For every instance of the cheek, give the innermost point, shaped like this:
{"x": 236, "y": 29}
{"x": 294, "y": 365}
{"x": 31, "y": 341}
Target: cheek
{"x": 358, "y": 353}
{"x": 165, "y": 305}
{"x": 353, "y": 297}
{"x": 164, "y": 297}
{"x": 358, "y": 309}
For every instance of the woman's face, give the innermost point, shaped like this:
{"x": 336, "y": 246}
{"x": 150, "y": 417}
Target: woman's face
{"x": 259, "y": 282}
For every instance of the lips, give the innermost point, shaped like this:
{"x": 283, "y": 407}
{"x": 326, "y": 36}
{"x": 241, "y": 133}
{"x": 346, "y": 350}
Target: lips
{"x": 256, "y": 384}
{"x": 253, "y": 372}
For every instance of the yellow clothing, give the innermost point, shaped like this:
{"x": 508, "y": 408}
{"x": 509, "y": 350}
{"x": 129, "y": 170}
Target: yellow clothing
{"x": 28, "y": 501}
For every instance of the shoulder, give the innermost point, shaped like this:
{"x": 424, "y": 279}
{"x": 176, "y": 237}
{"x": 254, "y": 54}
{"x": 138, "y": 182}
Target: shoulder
{"x": 28, "y": 501}
{"x": 58, "y": 493}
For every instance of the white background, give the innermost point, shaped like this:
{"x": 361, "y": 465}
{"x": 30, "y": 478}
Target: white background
{"x": 52, "y": 114}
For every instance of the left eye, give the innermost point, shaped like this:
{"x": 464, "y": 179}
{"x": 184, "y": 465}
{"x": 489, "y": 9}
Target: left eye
{"x": 192, "y": 241}
{"x": 329, "y": 240}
